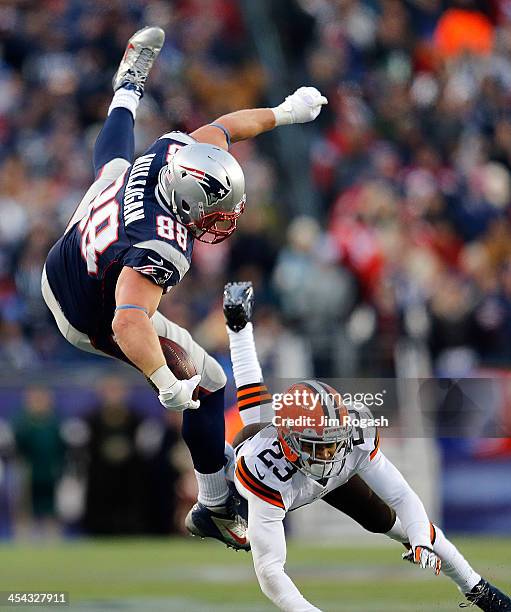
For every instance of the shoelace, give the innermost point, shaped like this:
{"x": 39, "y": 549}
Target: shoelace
{"x": 140, "y": 68}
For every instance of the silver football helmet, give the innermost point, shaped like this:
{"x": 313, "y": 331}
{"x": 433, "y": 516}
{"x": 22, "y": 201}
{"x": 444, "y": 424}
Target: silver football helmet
{"x": 204, "y": 187}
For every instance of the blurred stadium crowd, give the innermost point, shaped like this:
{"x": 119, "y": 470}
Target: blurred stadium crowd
{"x": 411, "y": 162}
{"x": 96, "y": 461}
{"x": 409, "y": 236}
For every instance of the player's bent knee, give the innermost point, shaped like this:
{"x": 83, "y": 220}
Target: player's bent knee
{"x": 113, "y": 169}
{"x": 382, "y": 522}
{"x": 213, "y": 377}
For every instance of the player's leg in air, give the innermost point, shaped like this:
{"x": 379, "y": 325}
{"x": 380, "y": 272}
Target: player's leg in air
{"x": 203, "y": 428}
{"x": 113, "y": 153}
{"x": 254, "y": 400}
{"x": 355, "y": 498}
{"x": 114, "y": 149}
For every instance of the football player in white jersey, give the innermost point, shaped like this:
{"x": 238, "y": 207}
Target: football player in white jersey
{"x": 311, "y": 453}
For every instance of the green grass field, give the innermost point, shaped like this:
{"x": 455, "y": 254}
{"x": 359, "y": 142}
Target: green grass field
{"x": 198, "y": 576}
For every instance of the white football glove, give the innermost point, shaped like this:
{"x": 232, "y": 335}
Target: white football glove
{"x": 300, "y": 107}
{"x": 178, "y": 396}
{"x": 424, "y": 557}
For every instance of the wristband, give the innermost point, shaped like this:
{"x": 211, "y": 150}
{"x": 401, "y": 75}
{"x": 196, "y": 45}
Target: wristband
{"x": 224, "y": 130}
{"x": 163, "y": 378}
{"x": 131, "y": 307}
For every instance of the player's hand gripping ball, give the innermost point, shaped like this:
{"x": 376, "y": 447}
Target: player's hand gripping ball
{"x": 179, "y": 396}
{"x": 184, "y": 393}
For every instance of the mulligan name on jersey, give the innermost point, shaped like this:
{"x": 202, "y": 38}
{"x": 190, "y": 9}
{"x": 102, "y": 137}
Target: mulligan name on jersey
{"x": 133, "y": 209}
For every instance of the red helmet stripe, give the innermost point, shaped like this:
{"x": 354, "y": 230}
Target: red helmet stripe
{"x": 198, "y": 174}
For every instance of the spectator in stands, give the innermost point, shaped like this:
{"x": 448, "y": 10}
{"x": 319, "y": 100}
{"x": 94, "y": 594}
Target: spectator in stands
{"x": 115, "y": 484}
{"x": 39, "y": 444}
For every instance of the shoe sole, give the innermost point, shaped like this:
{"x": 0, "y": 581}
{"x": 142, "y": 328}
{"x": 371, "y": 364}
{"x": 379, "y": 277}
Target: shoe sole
{"x": 194, "y": 532}
{"x": 153, "y": 46}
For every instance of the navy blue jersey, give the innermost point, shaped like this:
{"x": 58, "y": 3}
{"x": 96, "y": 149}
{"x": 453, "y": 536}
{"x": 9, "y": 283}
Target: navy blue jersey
{"x": 128, "y": 224}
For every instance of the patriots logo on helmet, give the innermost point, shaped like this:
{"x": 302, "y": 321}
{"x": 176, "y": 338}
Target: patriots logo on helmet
{"x": 213, "y": 188}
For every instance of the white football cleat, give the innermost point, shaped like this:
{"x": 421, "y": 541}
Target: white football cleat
{"x": 142, "y": 49}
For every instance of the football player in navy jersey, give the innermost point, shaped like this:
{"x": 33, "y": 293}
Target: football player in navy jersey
{"x": 130, "y": 241}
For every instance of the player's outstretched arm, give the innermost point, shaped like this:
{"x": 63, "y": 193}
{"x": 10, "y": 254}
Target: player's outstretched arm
{"x": 387, "y": 482}
{"x": 302, "y": 106}
{"x": 268, "y": 545}
{"x": 137, "y": 299}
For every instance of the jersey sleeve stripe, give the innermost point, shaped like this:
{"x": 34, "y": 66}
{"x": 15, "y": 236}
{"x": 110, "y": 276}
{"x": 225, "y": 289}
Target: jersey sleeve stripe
{"x": 260, "y": 495}
{"x": 251, "y": 388}
{"x": 376, "y": 446}
{"x": 256, "y": 482}
{"x": 257, "y": 492}
{"x": 254, "y": 401}
{"x": 180, "y": 137}
{"x": 432, "y": 533}
{"x": 256, "y": 487}
{"x": 168, "y": 252}
{"x": 249, "y": 485}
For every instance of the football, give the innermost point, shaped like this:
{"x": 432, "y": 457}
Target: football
{"x": 179, "y": 361}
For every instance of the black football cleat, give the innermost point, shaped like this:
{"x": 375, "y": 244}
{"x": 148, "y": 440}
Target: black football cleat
{"x": 488, "y": 598}
{"x": 238, "y": 304}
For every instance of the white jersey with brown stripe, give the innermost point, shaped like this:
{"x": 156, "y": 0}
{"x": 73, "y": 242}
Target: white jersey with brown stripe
{"x": 263, "y": 470}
